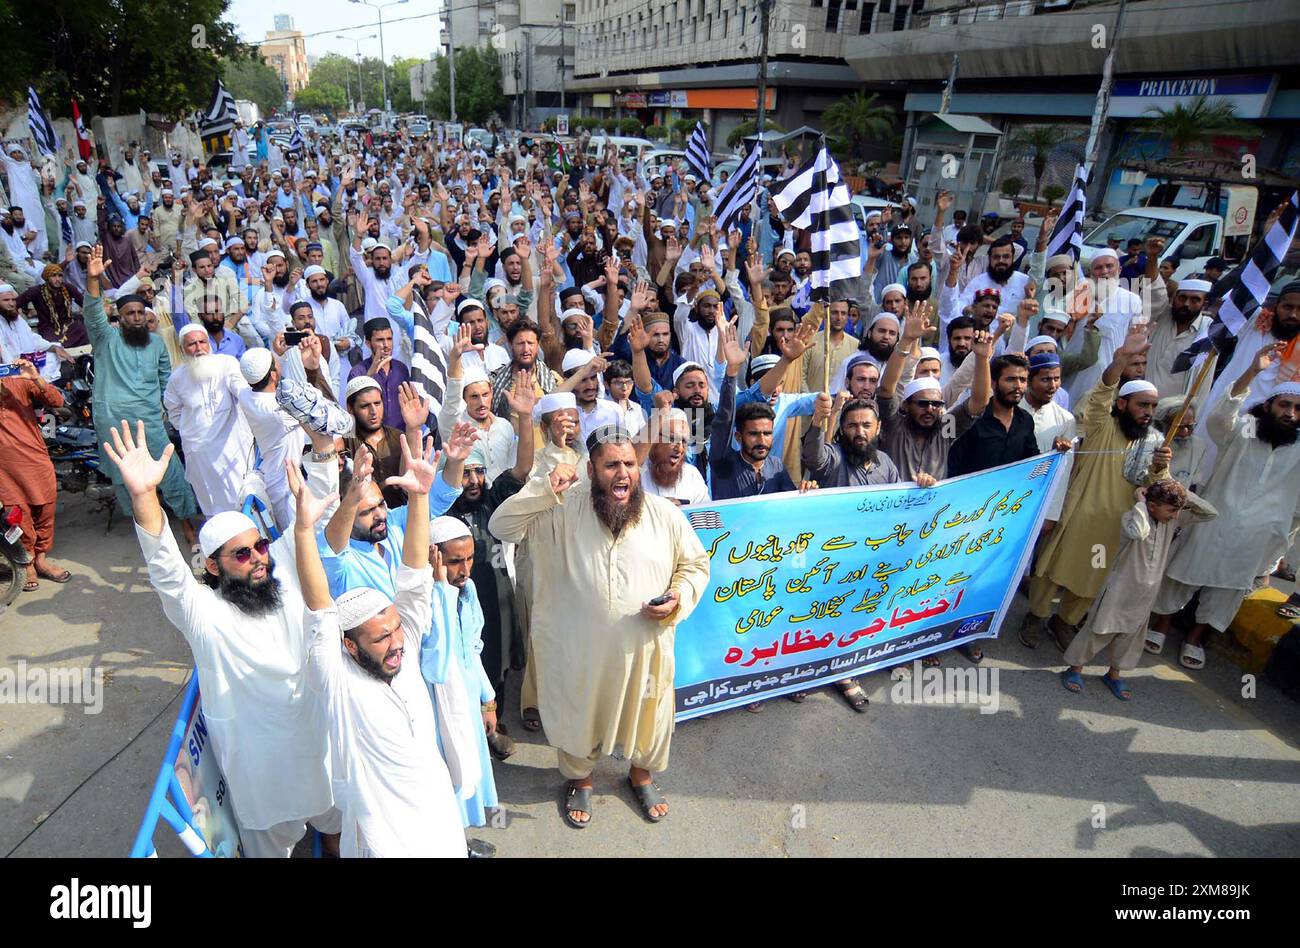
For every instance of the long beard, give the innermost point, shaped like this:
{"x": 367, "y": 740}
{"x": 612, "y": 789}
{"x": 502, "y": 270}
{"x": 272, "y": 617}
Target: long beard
{"x": 204, "y": 368}
{"x": 1000, "y": 274}
{"x": 1130, "y": 428}
{"x": 853, "y": 457}
{"x": 280, "y": 280}
{"x": 1267, "y": 428}
{"x": 1285, "y": 332}
{"x": 374, "y": 668}
{"x": 614, "y": 515}
{"x": 252, "y": 599}
{"x": 880, "y": 351}
{"x": 322, "y": 296}
{"x": 957, "y": 358}
{"x": 137, "y": 337}
{"x": 916, "y": 296}
{"x": 383, "y": 274}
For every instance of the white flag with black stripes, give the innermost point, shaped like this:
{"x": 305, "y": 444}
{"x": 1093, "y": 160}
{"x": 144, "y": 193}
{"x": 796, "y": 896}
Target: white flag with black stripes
{"x": 739, "y": 189}
{"x": 815, "y": 199}
{"x": 697, "y": 155}
{"x": 1067, "y": 235}
{"x": 47, "y": 142}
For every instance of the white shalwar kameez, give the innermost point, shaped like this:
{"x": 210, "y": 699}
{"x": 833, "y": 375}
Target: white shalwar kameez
{"x": 269, "y": 733}
{"x": 217, "y": 442}
{"x": 1119, "y": 307}
{"x": 392, "y": 786}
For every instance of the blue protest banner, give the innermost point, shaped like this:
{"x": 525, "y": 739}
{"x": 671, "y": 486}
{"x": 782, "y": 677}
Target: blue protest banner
{"x": 809, "y": 589}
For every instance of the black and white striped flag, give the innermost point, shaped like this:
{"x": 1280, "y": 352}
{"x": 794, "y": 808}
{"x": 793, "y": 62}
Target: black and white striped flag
{"x": 1067, "y": 235}
{"x": 1245, "y": 290}
{"x": 814, "y": 198}
{"x": 47, "y": 142}
{"x": 739, "y": 189}
{"x": 296, "y": 143}
{"x": 217, "y": 121}
{"x": 697, "y": 154}
{"x": 428, "y": 364}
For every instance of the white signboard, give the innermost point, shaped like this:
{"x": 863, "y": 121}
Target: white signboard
{"x": 561, "y": 125}
{"x": 1240, "y": 214}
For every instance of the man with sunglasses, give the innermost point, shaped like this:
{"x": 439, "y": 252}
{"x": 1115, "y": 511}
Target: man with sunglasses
{"x": 245, "y": 626}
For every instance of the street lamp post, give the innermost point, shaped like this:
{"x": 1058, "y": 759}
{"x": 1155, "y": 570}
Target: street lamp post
{"x": 383, "y": 63}
{"x": 361, "y": 86}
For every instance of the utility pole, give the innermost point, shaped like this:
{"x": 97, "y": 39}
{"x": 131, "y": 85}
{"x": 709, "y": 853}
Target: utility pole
{"x": 1103, "y": 93}
{"x": 451, "y": 62}
{"x": 765, "y": 17}
{"x": 528, "y": 77}
{"x": 948, "y": 89}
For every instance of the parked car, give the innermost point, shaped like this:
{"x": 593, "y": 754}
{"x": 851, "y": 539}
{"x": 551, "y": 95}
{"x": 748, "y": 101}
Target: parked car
{"x": 1191, "y": 237}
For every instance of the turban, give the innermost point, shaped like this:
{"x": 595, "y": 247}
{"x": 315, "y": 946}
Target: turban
{"x": 221, "y": 528}
{"x": 917, "y": 386}
{"x": 1135, "y": 387}
{"x": 50, "y": 270}
{"x": 446, "y": 529}
{"x": 359, "y": 605}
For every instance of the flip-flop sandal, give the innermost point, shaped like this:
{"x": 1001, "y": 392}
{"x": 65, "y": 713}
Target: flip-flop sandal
{"x": 577, "y": 800}
{"x": 1193, "y": 657}
{"x": 799, "y": 697}
{"x": 1288, "y": 611}
{"x": 532, "y": 720}
{"x": 62, "y": 576}
{"x": 754, "y": 707}
{"x": 855, "y": 696}
{"x": 974, "y": 653}
{"x": 31, "y": 585}
{"x": 1118, "y": 687}
{"x": 1155, "y": 642}
{"x": 1286, "y": 573}
{"x": 931, "y": 661}
{"x": 1072, "y": 681}
{"x": 648, "y": 795}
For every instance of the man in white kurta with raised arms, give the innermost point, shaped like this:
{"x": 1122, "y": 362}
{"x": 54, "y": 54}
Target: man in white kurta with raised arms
{"x": 202, "y": 403}
{"x": 603, "y": 650}
{"x": 394, "y": 788}
{"x": 246, "y": 630}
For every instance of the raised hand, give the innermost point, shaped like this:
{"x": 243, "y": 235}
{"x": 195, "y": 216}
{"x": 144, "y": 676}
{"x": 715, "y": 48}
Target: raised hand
{"x": 916, "y": 323}
{"x": 983, "y": 346}
{"x": 642, "y": 296}
{"x": 522, "y": 397}
{"x": 1000, "y": 325}
{"x": 461, "y": 441}
{"x": 311, "y": 352}
{"x": 141, "y": 472}
{"x": 309, "y": 507}
{"x": 1135, "y": 343}
{"x": 419, "y": 468}
{"x": 637, "y": 337}
{"x": 823, "y": 407}
{"x": 96, "y": 265}
{"x": 732, "y": 352}
{"x": 563, "y": 477}
{"x": 414, "y": 411}
{"x": 673, "y": 250}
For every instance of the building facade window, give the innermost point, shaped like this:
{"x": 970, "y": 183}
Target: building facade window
{"x": 832, "y": 16}
{"x": 868, "y": 14}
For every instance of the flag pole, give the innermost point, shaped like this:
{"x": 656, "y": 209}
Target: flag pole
{"x": 823, "y": 309}
{"x": 1206, "y": 366}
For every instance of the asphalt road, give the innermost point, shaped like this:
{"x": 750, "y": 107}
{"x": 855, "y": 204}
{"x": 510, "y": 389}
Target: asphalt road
{"x": 1189, "y": 767}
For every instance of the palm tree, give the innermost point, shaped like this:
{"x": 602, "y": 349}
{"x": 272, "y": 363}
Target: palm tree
{"x": 1039, "y": 142}
{"x": 857, "y": 119}
{"x": 1187, "y": 126}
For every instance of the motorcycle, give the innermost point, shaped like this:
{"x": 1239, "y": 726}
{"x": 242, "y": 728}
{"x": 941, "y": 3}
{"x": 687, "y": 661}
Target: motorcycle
{"x": 72, "y": 443}
{"x": 14, "y": 557}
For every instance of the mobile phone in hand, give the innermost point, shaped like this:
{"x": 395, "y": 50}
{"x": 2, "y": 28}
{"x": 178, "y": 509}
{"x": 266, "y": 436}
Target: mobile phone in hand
{"x": 294, "y": 336}
{"x": 10, "y": 369}
{"x": 660, "y": 600}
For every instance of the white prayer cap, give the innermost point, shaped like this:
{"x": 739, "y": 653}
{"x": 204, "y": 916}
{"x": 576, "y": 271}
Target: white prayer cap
{"x": 189, "y": 328}
{"x": 763, "y": 363}
{"x": 687, "y": 367}
{"x": 666, "y": 222}
{"x": 359, "y": 605}
{"x": 1102, "y": 254}
{"x": 576, "y": 359}
{"x": 929, "y": 352}
{"x": 7, "y": 288}
{"x": 168, "y": 191}
{"x": 784, "y": 252}
{"x": 872, "y": 214}
{"x": 1056, "y": 316}
{"x": 312, "y": 270}
{"x": 916, "y": 386}
{"x": 892, "y": 288}
{"x": 469, "y": 303}
{"x": 1289, "y": 389}
{"x": 221, "y": 528}
{"x": 690, "y": 177}
{"x": 80, "y": 203}
{"x": 555, "y": 401}
{"x": 883, "y": 316}
{"x": 446, "y": 529}
{"x": 207, "y": 242}
{"x": 1195, "y": 286}
{"x": 1039, "y": 341}
{"x": 234, "y": 242}
{"x": 254, "y": 364}
{"x": 84, "y": 243}
{"x": 273, "y": 253}
{"x": 359, "y": 384}
{"x": 571, "y": 313}
{"x": 518, "y": 218}
{"x": 1135, "y": 387}
{"x": 472, "y": 376}
{"x": 369, "y": 244}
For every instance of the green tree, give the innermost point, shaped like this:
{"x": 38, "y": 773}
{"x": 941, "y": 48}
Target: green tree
{"x": 1038, "y": 143}
{"x": 254, "y": 80}
{"x": 857, "y": 120}
{"x": 399, "y": 84}
{"x": 478, "y": 86}
{"x": 1187, "y": 128}
{"x": 119, "y": 56}
{"x": 322, "y": 96}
